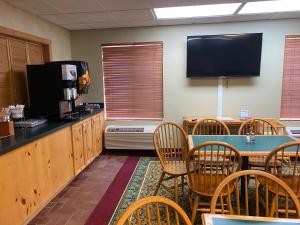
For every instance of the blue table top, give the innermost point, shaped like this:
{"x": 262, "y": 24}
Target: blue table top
{"x": 226, "y": 221}
{"x": 262, "y": 145}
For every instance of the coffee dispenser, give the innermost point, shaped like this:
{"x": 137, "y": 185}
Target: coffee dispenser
{"x": 53, "y": 89}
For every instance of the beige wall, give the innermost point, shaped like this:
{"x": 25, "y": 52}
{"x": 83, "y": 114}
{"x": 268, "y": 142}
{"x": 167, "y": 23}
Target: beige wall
{"x": 20, "y": 20}
{"x": 185, "y": 97}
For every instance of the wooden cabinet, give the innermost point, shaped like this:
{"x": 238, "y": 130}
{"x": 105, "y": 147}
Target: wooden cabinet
{"x": 33, "y": 174}
{"x": 35, "y": 54}
{"x": 18, "y": 67}
{"x": 5, "y": 76}
{"x": 78, "y": 148}
{"x": 97, "y": 129}
{"x": 87, "y": 141}
{"x": 14, "y": 56}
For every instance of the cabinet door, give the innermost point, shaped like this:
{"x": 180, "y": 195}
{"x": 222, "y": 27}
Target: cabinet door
{"x": 35, "y": 54}
{"x": 78, "y": 148}
{"x": 96, "y": 123}
{"x": 5, "y": 77}
{"x": 18, "y": 64}
{"x": 101, "y": 132}
{"x": 88, "y": 140}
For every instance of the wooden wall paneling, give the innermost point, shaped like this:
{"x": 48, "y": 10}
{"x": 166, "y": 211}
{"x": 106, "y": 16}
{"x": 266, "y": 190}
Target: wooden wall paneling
{"x": 5, "y": 76}
{"x": 18, "y": 68}
{"x": 35, "y": 54}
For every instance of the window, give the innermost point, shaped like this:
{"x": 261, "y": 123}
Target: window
{"x": 290, "y": 99}
{"x": 133, "y": 82}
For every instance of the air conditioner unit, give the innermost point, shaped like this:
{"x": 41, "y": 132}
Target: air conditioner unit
{"x": 293, "y": 131}
{"x": 129, "y": 137}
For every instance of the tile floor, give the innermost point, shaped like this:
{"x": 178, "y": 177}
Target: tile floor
{"x": 74, "y": 204}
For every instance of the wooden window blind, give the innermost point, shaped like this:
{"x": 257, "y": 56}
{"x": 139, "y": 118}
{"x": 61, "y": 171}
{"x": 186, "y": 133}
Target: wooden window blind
{"x": 290, "y": 99}
{"x": 133, "y": 81}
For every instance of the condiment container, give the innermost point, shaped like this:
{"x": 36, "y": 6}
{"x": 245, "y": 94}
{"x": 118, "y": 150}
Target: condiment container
{"x": 7, "y": 128}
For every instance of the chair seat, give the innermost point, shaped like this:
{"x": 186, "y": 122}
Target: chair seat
{"x": 175, "y": 168}
{"x": 259, "y": 161}
{"x": 290, "y": 180}
{"x": 206, "y": 184}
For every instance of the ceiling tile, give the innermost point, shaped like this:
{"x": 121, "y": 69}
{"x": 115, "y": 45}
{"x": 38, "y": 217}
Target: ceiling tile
{"x": 90, "y": 17}
{"x": 77, "y": 6}
{"x": 77, "y": 26}
{"x": 37, "y": 7}
{"x": 125, "y": 4}
{"x": 133, "y": 15}
{"x": 58, "y": 18}
{"x": 174, "y": 3}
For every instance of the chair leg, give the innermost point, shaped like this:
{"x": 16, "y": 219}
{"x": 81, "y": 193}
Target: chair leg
{"x": 272, "y": 210}
{"x": 159, "y": 182}
{"x": 176, "y": 189}
{"x": 188, "y": 197}
{"x": 194, "y": 211}
{"x": 182, "y": 183}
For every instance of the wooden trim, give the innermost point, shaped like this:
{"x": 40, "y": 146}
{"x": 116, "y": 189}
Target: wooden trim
{"x": 46, "y": 43}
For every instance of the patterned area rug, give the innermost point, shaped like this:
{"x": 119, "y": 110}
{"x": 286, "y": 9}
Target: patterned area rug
{"x": 142, "y": 184}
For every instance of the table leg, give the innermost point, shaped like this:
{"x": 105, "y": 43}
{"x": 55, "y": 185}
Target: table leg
{"x": 245, "y": 162}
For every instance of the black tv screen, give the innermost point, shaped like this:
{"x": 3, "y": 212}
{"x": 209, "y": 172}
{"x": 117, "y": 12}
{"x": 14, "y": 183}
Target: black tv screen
{"x": 224, "y": 55}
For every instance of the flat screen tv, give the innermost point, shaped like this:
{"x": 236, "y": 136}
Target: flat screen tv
{"x": 224, "y": 55}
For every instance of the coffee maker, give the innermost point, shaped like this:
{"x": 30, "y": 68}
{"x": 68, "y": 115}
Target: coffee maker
{"x": 53, "y": 89}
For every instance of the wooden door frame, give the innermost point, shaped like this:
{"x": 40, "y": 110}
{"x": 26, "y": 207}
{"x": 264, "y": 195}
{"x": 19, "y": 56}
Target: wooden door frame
{"x": 45, "y": 43}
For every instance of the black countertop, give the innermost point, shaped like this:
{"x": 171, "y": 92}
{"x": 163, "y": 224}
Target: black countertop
{"x": 27, "y": 135}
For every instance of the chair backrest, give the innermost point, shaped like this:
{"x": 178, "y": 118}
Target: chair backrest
{"x": 209, "y": 163}
{"x": 258, "y": 127}
{"x": 284, "y": 163}
{"x": 154, "y": 210}
{"x": 170, "y": 142}
{"x": 255, "y": 197}
{"x": 210, "y": 127}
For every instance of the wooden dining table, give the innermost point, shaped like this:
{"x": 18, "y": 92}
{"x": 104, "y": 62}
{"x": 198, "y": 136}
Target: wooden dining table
{"x": 217, "y": 219}
{"x": 262, "y": 146}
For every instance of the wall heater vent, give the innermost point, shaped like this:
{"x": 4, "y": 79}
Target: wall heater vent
{"x": 293, "y": 131}
{"x": 129, "y": 137}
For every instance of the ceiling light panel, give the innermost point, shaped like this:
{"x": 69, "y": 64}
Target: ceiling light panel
{"x": 196, "y": 11}
{"x": 270, "y": 7}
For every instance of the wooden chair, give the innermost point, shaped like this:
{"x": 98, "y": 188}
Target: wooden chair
{"x": 154, "y": 210}
{"x": 286, "y": 168}
{"x": 210, "y": 127}
{"x": 256, "y": 199}
{"x": 170, "y": 143}
{"x": 257, "y": 127}
{"x": 207, "y": 165}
